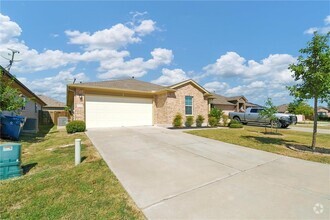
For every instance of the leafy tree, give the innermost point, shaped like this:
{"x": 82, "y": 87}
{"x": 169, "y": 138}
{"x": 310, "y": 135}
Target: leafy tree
{"x": 269, "y": 112}
{"x": 300, "y": 107}
{"x": 293, "y": 105}
{"x": 312, "y": 73}
{"x": 10, "y": 98}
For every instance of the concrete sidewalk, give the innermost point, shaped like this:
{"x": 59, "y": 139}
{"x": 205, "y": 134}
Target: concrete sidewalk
{"x": 174, "y": 175}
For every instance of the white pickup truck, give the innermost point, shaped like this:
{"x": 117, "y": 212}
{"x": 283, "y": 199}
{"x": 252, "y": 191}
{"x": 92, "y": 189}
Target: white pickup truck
{"x": 251, "y": 115}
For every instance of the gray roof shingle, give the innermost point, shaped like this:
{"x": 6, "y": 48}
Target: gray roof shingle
{"x": 50, "y": 102}
{"x": 220, "y": 100}
{"x": 282, "y": 108}
{"x": 129, "y": 84}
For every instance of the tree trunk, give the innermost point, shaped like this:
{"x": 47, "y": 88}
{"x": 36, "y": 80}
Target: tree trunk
{"x": 315, "y": 124}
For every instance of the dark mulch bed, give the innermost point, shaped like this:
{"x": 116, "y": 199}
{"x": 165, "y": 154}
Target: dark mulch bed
{"x": 189, "y": 128}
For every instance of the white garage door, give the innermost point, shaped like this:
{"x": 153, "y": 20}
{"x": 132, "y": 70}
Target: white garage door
{"x": 115, "y": 111}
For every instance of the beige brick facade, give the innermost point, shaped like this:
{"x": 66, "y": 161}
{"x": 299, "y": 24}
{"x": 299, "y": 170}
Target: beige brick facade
{"x": 168, "y": 105}
{"x": 225, "y": 108}
{"x": 79, "y": 105}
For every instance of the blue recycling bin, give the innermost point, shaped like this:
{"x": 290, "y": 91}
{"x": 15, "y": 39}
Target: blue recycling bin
{"x": 11, "y": 126}
{"x": 10, "y": 160}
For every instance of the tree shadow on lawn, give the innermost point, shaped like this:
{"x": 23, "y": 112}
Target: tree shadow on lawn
{"x": 269, "y": 140}
{"x": 290, "y": 144}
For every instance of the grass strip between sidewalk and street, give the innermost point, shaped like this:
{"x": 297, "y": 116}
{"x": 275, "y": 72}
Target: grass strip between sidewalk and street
{"x": 285, "y": 142}
{"x": 52, "y": 187}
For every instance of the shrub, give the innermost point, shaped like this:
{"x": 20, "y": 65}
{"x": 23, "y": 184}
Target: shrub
{"x": 199, "y": 120}
{"x": 213, "y": 121}
{"x": 189, "y": 121}
{"x": 75, "y": 126}
{"x": 235, "y": 124}
{"x": 323, "y": 118}
{"x": 177, "y": 121}
{"x": 216, "y": 113}
{"x": 225, "y": 120}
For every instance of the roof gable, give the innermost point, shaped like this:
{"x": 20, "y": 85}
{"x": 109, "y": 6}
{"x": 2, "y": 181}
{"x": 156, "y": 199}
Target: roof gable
{"x": 236, "y": 98}
{"x": 190, "y": 81}
{"x": 220, "y": 100}
{"x": 20, "y": 86}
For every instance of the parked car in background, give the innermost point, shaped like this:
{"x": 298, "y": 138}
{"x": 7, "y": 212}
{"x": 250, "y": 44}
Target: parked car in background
{"x": 251, "y": 115}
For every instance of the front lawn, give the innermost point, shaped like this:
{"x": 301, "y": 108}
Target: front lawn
{"x": 53, "y": 188}
{"x": 286, "y": 142}
{"x": 310, "y": 125}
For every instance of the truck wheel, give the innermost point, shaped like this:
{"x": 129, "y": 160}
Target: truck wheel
{"x": 284, "y": 126}
{"x": 276, "y": 124}
{"x": 237, "y": 119}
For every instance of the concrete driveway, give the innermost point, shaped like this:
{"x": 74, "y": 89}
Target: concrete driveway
{"x": 173, "y": 175}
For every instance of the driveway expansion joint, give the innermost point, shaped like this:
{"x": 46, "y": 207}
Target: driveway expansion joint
{"x": 189, "y": 190}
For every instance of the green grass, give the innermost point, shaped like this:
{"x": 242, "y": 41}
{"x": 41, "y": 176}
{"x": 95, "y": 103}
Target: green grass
{"x": 53, "y": 188}
{"x": 319, "y": 126}
{"x": 289, "y": 143}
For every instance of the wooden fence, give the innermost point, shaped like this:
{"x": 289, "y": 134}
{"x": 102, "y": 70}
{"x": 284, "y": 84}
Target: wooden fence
{"x": 50, "y": 117}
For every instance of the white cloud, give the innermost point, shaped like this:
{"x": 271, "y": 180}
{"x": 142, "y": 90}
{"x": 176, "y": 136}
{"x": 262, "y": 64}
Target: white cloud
{"x": 311, "y": 30}
{"x": 327, "y": 20}
{"x": 255, "y": 80}
{"x": 274, "y": 67}
{"x": 217, "y": 87}
{"x": 146, "y": 27}
{"x": 54, "y": 86}
{"x": 8, "y": 30}
{"x": 119, "y": 68}
{"x": 230, "y": 64}
{"x": 256, "y": 91}
{"x": 322, "y": 30}
{"x": 105, "y": 47}
{"x": 116, "y": 37}
{"x": 170, "y": 77}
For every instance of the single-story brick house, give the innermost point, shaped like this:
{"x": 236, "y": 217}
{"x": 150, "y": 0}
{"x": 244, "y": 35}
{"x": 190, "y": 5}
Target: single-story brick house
{"x": 283, "y": 108}
{"x": 132, "y": 102}
{"x": 323, "y": 111}
{"x": 230, "y": 104}
{"x": 32, "y": 106}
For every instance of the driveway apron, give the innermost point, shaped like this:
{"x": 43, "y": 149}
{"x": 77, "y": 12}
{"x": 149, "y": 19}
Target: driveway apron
{"x": 174, "y": 175}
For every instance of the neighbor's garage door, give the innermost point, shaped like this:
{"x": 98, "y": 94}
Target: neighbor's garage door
{"x": 116, "y": 111}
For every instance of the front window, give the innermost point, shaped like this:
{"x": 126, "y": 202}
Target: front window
{"x": 188, "y": 105}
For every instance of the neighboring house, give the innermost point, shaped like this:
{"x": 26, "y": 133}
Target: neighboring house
{"x": 230, "y": 104}
{"x": 221, "y": 102}
{"x": 323, "y": 111}
{"x": 283, "y": 108}
{"x": 52, "y": 110}
{"x": 131, "y": 102}
{"x": 239, "y": 101}
{"x": 32, "y": 106}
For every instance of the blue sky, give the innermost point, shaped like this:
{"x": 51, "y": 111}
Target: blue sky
{"x": 232, "y": 48}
